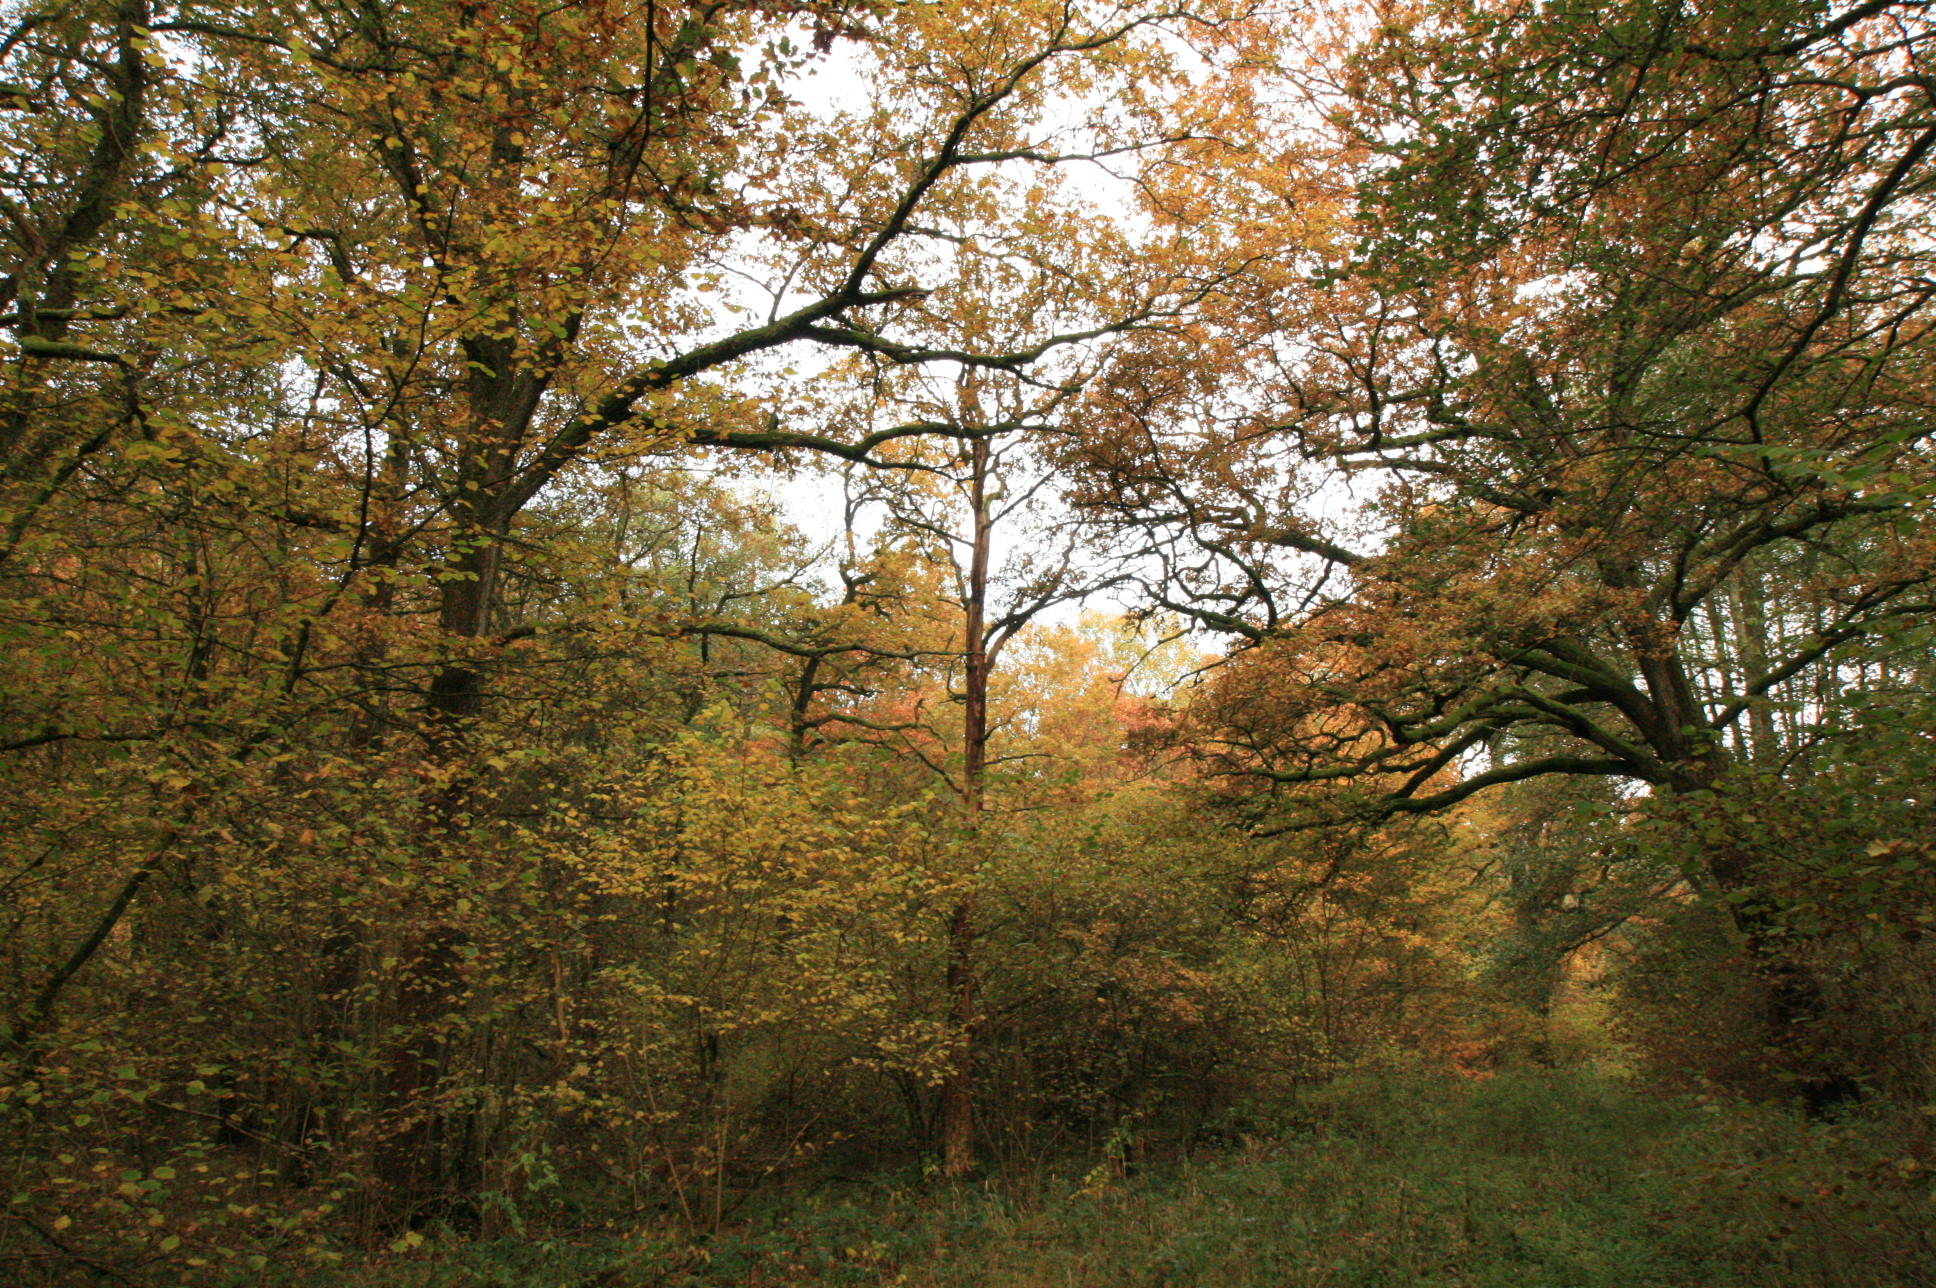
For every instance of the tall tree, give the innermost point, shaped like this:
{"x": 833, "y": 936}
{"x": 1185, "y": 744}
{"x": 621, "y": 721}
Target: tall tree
{"x": 985, "y": 514}
{"x": 388, "y": 278}
{"x": 1635, "y": 309}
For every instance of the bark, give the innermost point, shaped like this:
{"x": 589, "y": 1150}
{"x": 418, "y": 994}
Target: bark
{"x": 422, "y": 1161}
{"x": 1794, "y": 1006}
{"x": 798, "y": 714}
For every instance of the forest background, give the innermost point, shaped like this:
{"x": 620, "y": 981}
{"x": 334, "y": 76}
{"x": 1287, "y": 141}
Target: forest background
{"x": 1307, "y": 537}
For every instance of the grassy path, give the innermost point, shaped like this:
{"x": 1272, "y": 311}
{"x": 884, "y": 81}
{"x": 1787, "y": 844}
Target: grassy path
{"x": 1489, "y": 1184}
{"x": 1545, "y": 1181}
{"x": 1486, "y": 1185}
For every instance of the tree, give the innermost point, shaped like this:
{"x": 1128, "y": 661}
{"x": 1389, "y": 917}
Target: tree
{"x": 1633, "y": 315}
{"x": 949, "y": 507}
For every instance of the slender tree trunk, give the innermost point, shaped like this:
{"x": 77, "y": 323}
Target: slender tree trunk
{"x": 24, "y": 1027}
{"x": 957, "y": 1093}
{"x": 1750, "y": 597}
{"x": 49, "y": 283}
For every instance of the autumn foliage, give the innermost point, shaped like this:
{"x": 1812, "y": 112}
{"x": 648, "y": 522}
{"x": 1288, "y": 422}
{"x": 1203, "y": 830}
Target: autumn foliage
{"x": 605, "y": 608}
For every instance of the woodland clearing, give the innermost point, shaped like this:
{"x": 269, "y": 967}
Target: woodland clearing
{"x": 1354, "y": 701}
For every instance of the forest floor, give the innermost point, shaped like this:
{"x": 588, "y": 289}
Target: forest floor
{"x": 1546, "y": 1180}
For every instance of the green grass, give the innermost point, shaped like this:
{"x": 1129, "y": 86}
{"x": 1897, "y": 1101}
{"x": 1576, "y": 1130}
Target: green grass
{"x": 1535, "y": 1180}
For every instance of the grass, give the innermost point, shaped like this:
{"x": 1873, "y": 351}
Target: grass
{"x": 1534, "y": 1180}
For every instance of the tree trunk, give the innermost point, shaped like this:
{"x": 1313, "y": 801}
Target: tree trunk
{"x": 957, "y": 1093}
{"x": 418, "y": 1162}
{"x": 1793, "y": 1003}
{"x": 1750, "y": 605}
{"x": 801, "y": 710}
